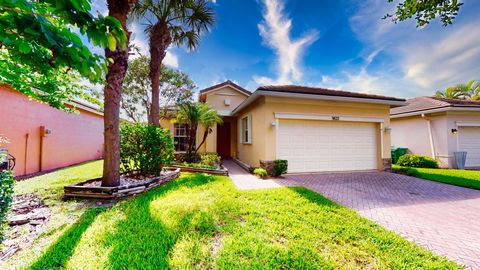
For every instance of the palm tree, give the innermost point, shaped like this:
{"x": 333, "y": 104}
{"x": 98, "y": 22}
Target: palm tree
{"x": 180, "y": 22}
{"x": 469, "y": 91}
{"x": 193, "y": 115}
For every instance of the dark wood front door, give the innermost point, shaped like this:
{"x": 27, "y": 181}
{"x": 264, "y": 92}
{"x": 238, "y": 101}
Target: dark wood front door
{"x": 223, "y": 139}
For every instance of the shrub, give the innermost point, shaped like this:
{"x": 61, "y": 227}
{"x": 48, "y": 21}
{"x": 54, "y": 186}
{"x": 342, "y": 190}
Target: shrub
{"x": 198, "y": 165}
{"x": 260, "y": 172}
{"x": 280, "y": 166}
{"x": 6, "y": 196}
{"x": 417, "y": 161}
{"x": 145, "y": 148}
{"x": 210, "y": 159}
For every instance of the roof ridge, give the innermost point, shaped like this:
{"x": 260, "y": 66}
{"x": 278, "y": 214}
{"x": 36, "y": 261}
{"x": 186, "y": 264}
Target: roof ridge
{"x": 322, "y": 91}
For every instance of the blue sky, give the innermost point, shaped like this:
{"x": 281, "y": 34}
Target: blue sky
{"x": 340, "y": 44}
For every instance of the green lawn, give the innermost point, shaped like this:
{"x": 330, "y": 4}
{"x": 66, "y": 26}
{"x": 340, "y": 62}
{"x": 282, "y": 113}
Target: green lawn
{"x": 202, "y": 222}
{"x": 463, "y": 178}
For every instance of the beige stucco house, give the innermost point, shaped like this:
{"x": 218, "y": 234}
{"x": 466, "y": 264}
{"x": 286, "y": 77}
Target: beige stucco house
{"x": 438, "y": 127}
{"x": 315, "y": 129}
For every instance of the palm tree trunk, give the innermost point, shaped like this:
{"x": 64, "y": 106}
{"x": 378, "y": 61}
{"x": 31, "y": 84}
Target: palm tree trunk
{"x": 205, "y": 135}
{"x": 113, "y": 88}
{"x": 160, "y": 39}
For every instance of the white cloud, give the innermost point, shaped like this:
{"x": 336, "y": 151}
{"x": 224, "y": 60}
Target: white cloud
{"x": 415, "y": 61}
{"x": 275, "y": 32}
{"x": 362, "y": 80}
{"x": 139, "y": 40}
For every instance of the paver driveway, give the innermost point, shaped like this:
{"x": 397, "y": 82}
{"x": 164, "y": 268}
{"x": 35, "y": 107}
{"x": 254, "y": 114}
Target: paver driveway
{"x": 442, "y": 217}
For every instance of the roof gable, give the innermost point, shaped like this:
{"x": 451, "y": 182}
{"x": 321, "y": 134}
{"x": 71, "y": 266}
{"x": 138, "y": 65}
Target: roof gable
{"x": 223, "y": 84}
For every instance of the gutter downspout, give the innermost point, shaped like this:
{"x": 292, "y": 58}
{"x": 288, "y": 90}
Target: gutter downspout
{"x": 26, "y": 155}
{"x": 430, "y": 136}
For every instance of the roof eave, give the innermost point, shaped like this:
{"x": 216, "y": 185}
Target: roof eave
{"x": 256, "y": 94}
{"x": 434, "y": 110}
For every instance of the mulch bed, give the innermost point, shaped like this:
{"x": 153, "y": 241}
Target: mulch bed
{"x": 221, "y": 170}
{"x": 129, "y": 185}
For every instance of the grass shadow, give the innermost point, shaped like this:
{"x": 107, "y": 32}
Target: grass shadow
{"x": 146, "y": 240}
{"x": 57, "y": 254}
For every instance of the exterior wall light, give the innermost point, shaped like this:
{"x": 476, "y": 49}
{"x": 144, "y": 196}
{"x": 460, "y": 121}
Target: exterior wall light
{"x": 454, "y": 131}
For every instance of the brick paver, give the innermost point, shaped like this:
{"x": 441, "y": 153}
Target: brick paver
{"x": 441, "y": 217}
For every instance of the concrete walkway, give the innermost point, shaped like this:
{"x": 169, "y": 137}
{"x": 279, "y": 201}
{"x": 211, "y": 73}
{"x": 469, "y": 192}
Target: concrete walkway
{"x": 244, "y": 180}
{"x": 441, "y": 217}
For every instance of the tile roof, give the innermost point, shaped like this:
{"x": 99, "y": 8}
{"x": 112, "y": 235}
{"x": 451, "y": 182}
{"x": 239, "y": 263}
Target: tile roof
{"x": 296, "y": 89}
{"x": 427, "y": 103}
{"x": 225, "y": 83}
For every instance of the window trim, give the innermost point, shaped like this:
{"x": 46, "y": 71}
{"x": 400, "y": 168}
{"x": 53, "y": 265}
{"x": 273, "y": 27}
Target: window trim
{"x": 248, "y": 129}
{"x": 175, "y": 135}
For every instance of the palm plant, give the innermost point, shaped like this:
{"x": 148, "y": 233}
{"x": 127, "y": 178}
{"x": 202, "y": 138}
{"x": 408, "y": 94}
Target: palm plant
{"x": 469, "y": 91}
{"x": 193, "y": 115}
{"x": 178, "y": 22}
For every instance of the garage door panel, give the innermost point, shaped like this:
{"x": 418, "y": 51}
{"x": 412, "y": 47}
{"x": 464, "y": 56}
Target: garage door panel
{"x": 313, "y": 146}
{"x": 469, "y": 141}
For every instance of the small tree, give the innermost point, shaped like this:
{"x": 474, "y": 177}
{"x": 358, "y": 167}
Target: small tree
{"x": 42, "y": 54}
{"x": 425, "y": 11}
{"x": 175, "y": 87}
{"x": 145, "y": 148}
{"x": 193, "y": 115}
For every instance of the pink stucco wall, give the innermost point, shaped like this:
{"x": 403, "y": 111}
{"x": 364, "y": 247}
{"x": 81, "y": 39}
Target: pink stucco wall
{"x": 74, "y": 138}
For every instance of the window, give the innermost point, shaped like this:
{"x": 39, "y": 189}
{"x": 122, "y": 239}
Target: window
{"x": 180, "y": 137}
{"x": 245, "y": 130}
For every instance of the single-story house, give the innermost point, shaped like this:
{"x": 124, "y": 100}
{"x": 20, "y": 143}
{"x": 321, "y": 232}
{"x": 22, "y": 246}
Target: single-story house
{"x": 43, "y": 138}
{"x": 438, "y": 127}
{"x": 315, "y": 129}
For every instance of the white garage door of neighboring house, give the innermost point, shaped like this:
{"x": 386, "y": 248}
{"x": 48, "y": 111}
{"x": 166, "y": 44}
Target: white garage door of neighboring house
{"x": 316, "y": 146}
{"x": 469, "y": 141}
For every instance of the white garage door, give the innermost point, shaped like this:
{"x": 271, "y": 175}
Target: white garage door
{"x": 316, "y": 146}
{"x": 469, "y": 141}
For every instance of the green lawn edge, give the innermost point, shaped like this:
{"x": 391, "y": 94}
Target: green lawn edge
{"x": 461, "y": 178}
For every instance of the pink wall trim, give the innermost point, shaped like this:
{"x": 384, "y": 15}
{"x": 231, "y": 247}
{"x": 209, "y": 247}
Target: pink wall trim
{"x": 74, "y": 138}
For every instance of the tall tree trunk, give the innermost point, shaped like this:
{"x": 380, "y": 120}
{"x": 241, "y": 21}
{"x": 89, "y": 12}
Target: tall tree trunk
{"x": 160, "y": 39}
{"x": 113, "y": 88}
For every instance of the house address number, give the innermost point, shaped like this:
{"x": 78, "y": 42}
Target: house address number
{"x": 335, "y": 118}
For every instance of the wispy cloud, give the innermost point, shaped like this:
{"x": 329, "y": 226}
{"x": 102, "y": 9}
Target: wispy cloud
{"x": 275, "y": 31}
{"x": 362, "y": 80}
{"x": 414, "y": 61}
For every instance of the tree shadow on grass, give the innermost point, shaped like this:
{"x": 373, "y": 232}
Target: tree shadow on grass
{"x": 57, "y": 254}
{"x": 142, "y": 242}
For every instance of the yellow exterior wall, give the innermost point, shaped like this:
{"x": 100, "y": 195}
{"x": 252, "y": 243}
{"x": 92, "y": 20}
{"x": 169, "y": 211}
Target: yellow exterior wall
{"x": 252, "y": 153}
{"x": 263, "y": 111}
{"x": 216, "y": 99}
{"x": 165, "y": 123}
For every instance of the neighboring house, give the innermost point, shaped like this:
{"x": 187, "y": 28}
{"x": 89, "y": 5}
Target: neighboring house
{"x": 315, "y": 129}
{"x": 438, "y": 127}
{"x": 43, "y": 138}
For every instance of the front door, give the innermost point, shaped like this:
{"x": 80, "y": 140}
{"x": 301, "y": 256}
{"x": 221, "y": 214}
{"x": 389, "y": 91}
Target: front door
{"x": 223, "y": 140}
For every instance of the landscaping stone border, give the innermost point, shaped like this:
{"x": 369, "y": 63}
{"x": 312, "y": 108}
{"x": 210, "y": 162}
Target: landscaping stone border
{"x": 78, "y": 190}
{"x": 222, "y": 171}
